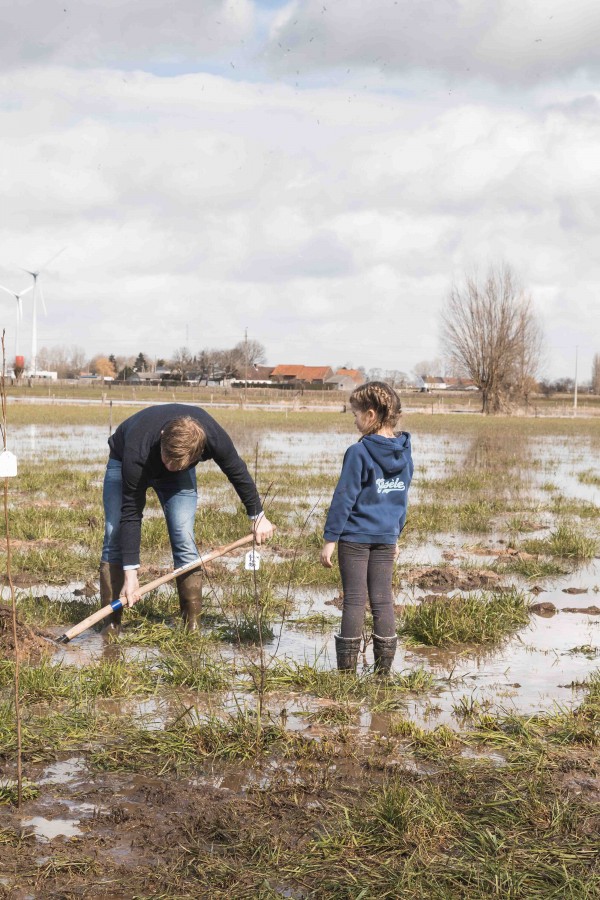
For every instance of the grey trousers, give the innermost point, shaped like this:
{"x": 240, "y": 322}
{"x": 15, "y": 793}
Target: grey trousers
{"x": 366, "y": 571}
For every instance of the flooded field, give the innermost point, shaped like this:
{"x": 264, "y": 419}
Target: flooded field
{"x": 238, "y": 762}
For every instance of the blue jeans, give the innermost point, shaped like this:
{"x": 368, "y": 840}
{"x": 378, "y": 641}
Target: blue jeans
{"x": 178, "y": 497}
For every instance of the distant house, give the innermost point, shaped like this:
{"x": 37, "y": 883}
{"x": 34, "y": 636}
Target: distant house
{"x": 253, "y": 376}
{"x": 346, "y": 379}
{"x": 256, "y": 374}
{"x": 461, "y": 384}
{"x": 434, "y": 383}
{"x": 301, "y": 374}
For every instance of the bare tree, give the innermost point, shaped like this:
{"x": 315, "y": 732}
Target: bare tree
{"x": 182, "y": 362}
{"x": 429, "y": 367}
{"x": 595, "y": 386}
{"x": 395, "y": 378}
{"x": 232, "y": 362}
{"x": 490, "y": 332}
{"x": 252, "y": 353}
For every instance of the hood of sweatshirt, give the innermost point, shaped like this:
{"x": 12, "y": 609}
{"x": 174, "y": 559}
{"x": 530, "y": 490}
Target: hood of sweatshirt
{"x": 392, "y": 455}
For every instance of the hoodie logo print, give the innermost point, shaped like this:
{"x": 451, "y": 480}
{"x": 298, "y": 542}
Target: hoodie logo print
{"x": 391, "y": 484}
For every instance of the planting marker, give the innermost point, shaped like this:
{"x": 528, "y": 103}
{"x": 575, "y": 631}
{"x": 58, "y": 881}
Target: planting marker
{"x": 117, "y": 604}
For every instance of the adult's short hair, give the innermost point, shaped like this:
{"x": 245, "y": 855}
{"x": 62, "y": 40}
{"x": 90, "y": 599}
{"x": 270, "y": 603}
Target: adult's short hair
{"x": 182, "y": 442}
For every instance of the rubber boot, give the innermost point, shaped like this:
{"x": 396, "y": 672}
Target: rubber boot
{"x": 346, "y": 651}
{"x": 384, "y": 650}
{"x": 112, "y": 578}
{"x": 189, "y": 588}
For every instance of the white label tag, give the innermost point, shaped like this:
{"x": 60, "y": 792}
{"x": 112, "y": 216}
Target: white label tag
{"x": 252, "y": 561}
{"x": 8, "y": 464}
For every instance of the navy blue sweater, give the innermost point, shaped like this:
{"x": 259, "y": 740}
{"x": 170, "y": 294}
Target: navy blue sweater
{"x": 136, "y": 442}
{"x": 369, "y": 502}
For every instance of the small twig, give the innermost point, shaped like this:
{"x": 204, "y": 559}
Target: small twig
{"x": 12, "y": 588}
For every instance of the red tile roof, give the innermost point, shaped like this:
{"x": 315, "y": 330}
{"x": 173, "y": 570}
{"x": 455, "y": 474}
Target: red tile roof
{"x": 354, "y": 374}
{"x": 302, "y": 373}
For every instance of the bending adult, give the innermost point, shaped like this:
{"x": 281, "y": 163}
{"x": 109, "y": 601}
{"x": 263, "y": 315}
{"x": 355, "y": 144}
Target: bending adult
{"x": 160, "y": 447}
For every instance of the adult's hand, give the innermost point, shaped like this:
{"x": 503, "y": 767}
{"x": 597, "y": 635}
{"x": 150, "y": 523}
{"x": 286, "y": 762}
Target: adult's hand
{"x": 262, "y": 528}
{"x": 327, "y": 553}
{"x": 131, "y": 587}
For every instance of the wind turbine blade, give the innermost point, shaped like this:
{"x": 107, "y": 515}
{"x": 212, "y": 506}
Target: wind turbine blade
{"x": 26, "y": 291}
{"x": 19, "y": 310}
{"x": 51, "y": 260}
{"x": 8, "y": 290}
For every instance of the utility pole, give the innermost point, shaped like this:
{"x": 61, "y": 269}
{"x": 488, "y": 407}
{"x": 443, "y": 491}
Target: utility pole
{"x": 245, "y": 359}
{"x": 575, "y": 389}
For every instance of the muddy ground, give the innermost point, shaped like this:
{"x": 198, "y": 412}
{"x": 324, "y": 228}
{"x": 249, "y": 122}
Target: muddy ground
{"x": 32, "y": 642}
{"x": 265, "y": 830}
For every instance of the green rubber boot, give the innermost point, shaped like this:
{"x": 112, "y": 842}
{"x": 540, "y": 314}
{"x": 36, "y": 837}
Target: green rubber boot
{"x": 112, "y": 578}
{"x": 189, "y": 588}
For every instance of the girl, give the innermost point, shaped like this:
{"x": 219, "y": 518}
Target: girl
{"x": 366, "y": 516}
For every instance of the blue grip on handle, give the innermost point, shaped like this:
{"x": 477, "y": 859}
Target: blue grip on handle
{"x": 116, "y": 605}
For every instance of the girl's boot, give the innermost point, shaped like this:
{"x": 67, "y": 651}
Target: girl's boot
{"x": 189, "y": 588}
{"x": 384, "y": 650}
{"x": 112, "y": 579}
{"x": 346, "y": 651}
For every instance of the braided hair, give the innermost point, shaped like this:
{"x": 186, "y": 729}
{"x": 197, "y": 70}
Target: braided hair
{"x": 382, "y": 399}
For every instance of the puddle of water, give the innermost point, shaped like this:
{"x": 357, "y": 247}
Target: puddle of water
{"x": 83, "y": 442}
{"x": 561, "y": 461}
{"x": 47, "y": 829}
{"x": 63, "y": 772}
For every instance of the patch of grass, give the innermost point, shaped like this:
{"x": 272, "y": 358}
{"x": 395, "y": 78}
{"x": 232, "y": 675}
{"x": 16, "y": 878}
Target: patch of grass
{"x": 585, "y": 650}
{"x": 477, "y": 833}
{"x": 566, "y": 541}
{"x": 467, "y": 707}
{"x": 9, "y": 792}
{"x": 567, "y": 506}
{"x": 314, "y": 622}
{"x": 332, "y": 715}
{"x": 237, "y": 737}
{"x": 475, "y": 618}
{"x": 42, "y": 611}
{"x": 197, "y": 671}
{"x": 107, "y": 678}
{"x": 425, "y": 743}
{"x": 246, "y": 630}
{"x": 535, "y": 567}
{"x": 589, "y": 477}
{"x": 54, "y": 565}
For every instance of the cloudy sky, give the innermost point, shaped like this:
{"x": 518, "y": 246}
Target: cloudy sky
{"x": 316, "y": 172}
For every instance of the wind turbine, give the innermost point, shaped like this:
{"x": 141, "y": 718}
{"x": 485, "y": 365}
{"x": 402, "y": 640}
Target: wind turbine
{"x": 37, "y": 287}
{"x": 19, "y": 311}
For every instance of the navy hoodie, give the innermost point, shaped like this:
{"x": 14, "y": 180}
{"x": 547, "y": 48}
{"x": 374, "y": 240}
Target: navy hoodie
{"x": 369, "y": 502}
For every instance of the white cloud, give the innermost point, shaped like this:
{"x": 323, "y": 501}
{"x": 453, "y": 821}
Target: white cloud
{"x": 505, "y": 41}
{"x": 136, "y": 33}
{"x": 329, "y": 220}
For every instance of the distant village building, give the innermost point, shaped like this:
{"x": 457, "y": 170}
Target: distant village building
{"x": 301, "y": 375}
{"x": 437, "y": 383}
{"x": 346, "y": 379}
{"x": 254, "y": 376}
{"x": 44, "y": 374}
{"x": 434, "y": 383}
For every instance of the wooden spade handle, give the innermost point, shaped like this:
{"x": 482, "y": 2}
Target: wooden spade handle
{"x": 117, "y": 604}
